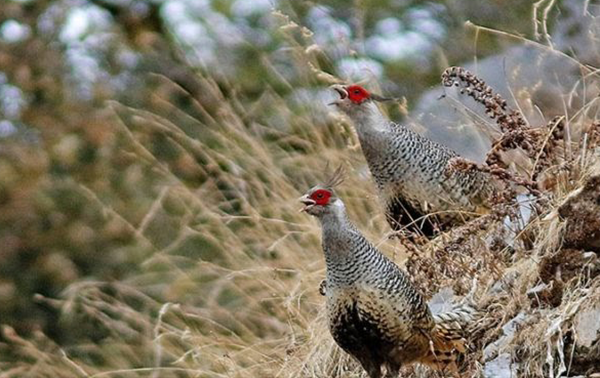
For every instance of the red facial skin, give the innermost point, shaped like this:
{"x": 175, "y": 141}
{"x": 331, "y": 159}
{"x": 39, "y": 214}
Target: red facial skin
{"x": 357, "y": 94}
{"x": 321, "y": 197}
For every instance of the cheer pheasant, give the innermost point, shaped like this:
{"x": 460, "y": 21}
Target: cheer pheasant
{"x": 411, "y": 172}
{"x": 375, "y": 313}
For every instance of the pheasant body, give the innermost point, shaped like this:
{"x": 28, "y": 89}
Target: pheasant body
{"x": 375, "y": 313}
{"x": 372, "y": 306}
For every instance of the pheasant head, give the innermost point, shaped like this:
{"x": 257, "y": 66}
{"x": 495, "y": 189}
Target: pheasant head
{"x": 321, "y": 199}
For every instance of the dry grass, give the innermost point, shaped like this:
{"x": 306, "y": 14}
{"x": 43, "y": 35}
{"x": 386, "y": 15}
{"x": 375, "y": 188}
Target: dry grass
{"x": 234, "y": 291}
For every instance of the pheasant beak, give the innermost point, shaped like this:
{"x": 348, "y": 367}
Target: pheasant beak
{"x": 307, "y": 201}
{"x": 341, "y": 90}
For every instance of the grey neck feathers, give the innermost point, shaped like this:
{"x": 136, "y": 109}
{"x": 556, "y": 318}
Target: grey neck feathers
{"x": 335, "y": 224}
{"x": 346, "y": 249}
{"x": 369, "y": 119}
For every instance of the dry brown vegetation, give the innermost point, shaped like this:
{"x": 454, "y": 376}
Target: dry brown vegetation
{"x": 232, "y": 291}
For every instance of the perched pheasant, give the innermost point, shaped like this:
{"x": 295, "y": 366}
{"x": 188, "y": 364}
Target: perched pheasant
{"x": 375, "y": 313}
{"x": 411, "y": 172}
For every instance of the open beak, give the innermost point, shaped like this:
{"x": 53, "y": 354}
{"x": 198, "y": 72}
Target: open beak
{"x": 341, "y": 90}
{"x": 308, "y": 203}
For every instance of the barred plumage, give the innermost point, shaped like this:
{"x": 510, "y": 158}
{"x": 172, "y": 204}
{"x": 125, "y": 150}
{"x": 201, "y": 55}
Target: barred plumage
{"x": 375, "y": 312}
{"x": 411, "y": 171}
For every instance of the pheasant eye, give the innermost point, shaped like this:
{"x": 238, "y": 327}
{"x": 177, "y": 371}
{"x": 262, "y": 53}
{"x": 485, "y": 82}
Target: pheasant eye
{"x": 321, "y": 197}
{"x": 356, "y": 91}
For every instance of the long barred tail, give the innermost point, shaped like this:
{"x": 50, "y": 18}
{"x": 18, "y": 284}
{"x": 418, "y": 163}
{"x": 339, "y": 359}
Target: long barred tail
{"x": 453, "y": 322}
{"x": 448, "y": 338}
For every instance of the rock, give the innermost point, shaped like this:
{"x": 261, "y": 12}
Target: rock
{"x": 508, "y": 330}
{"x": 521, "y": 75}
{"x": 500, "y": 367}
{"x": 587, "y": 326}
{"x": 441, "y": 301}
